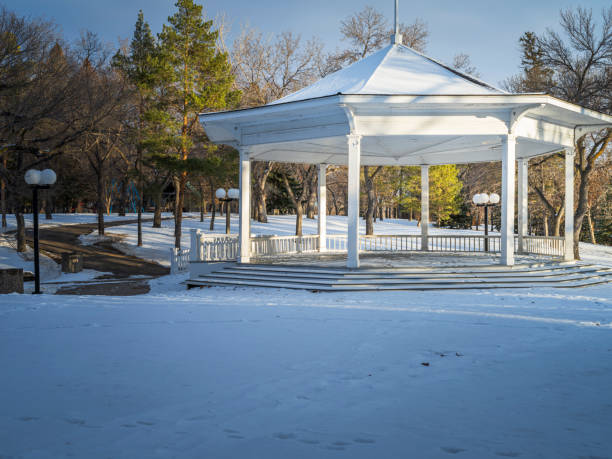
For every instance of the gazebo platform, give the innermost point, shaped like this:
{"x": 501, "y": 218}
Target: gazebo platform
{"x": 406, "y": 271}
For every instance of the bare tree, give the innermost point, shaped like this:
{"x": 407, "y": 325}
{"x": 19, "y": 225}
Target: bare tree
{"x": 267, "y": 69}
{"x": 581, "y": 62}
{"x": 368, "y": 31}
{"x": 296, "y": 179}
{"x": 463, "y": 63}
{"x": 38, "y": 85}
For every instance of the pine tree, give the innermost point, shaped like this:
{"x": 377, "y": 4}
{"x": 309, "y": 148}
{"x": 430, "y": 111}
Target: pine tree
{"x": 199, "y": 78}
{"x": 536, "y": 76}
{"x": 142, "y": 67}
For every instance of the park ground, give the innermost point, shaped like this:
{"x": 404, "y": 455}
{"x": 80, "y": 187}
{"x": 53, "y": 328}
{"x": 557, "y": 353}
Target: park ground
{"x": 251, "y": 373}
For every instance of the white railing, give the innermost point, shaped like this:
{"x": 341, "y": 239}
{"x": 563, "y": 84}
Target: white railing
{"x": 336, "y": 243}
{"x": 543, "y": 245}
{"x": 213, "y": 247}
{"x": 384, "y": 242}
{"x": 463, "y": 243}
{"x": 275, "y": 245}
{"x": 179, "y": 260}
{"x": 227, "y": 247}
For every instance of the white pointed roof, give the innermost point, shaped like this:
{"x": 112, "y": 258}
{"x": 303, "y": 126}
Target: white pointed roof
{"x": 394, "y": 70}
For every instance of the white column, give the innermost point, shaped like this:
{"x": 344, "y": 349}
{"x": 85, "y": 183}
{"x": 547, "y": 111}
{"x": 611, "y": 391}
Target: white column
{"x": 194, "y": 253}
{"x": 523, "y": 200}
{"x": 424, "y": 207}
{"x": 507, "y": 191}
{"x": 322, "y": 221}
{"x": 354, "y": 175}
{"x": 245, "y": 208}
{"x": 569, "y": 205}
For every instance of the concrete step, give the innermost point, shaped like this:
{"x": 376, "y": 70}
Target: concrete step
{"x": 415, "y": 275}
{"x": 418, "y": 278}
{"x": 404, "y": 281}
{"x": 419, "y": 287}
{"x": 305, "y": 269}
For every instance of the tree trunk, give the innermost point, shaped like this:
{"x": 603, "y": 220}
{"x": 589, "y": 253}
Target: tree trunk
{"x": 48, "y": 206}
{"x": 157, "y": 212}
{"x": 591, "y": 227}
{"x": 371, "y": 195}
{"x": 3, "y": 199}
{"x": 261, "y": 174}
{"x": 557, "y": 220}
{"x": 299, "y": 212}
{"x": 545, "y": 224}
{"x": 140, "y": 200}
{"x": 212, "y": 214}
{"x": 21, "y": 235}
{"x": 100, "y": 204}
{"x": 178, "y": 224}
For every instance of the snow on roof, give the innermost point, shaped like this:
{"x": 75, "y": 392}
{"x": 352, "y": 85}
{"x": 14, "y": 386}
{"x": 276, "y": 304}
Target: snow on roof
{"x": 394, "y": 70}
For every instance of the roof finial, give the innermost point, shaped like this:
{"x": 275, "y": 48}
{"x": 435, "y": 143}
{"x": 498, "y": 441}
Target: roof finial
{"x": 396, "y": 38}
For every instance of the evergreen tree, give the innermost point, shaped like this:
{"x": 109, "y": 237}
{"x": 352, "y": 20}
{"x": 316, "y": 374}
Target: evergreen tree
{"x": 198, "y": 79}
{"x": 536, "y": 76}
{"x": 142, "y": 67}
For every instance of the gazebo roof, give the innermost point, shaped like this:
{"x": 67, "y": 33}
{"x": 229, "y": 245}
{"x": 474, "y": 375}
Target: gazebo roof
{"x": 408, "y": 109}
{"x": 394, "y": 70}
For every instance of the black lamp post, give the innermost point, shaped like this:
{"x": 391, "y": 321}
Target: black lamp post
{"x": 38, "y": 180}
{"x": 486, "y": 201}
{"x": 232, "y": 195}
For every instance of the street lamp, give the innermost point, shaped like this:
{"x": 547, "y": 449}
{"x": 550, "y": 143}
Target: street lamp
{"x": 38, "y": 180}
{"x": 486, "y": 201}
{"x": 232, "y": 195}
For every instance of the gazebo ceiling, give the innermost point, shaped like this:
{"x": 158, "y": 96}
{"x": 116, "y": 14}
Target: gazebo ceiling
{"x": 408, "y": 110}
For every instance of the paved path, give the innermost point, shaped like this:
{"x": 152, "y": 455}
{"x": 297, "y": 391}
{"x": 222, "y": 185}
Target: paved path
{"x": 101, "y": 257}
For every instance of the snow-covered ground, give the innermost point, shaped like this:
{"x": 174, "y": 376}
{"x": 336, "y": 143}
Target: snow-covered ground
{"x": 158, "y": 242}
{"x": 262, "y": 373}
{"x": 254, "y": 373}
{"x": 72, "y": 219}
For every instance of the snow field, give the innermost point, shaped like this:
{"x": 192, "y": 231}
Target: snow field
{"x": 253, "y": 373}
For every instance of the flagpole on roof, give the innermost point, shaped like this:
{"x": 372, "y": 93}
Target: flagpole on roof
{"x": 396, "y": 29}
{"x": 396, "y": 38}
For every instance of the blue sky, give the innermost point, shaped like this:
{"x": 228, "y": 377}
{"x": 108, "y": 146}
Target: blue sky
{"x": 486, "y": 30}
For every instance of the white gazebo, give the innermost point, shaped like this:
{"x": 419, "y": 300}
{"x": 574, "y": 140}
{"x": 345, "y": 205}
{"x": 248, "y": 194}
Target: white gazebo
{"x": 398, "y": 107}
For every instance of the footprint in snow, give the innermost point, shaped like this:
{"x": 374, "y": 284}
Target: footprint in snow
{"x": 284, "y": 436}
{"x": 452, "y": 450}
{"x": 75, "y": 421}
{"x": 364, "y": 440}
{"x": 145, "y": 423}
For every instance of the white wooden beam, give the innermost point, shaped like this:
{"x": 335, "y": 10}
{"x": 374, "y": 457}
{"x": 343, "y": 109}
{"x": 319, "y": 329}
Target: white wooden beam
{"x": 424, "y": 207}
{"x": 507, "y": 196}
{"x": 354, "y": 174}
{"x": 245, "y": 207}
{"x": 523, "y": 201}
{"x": 322, "y": 218}
{"x": 569, "y": 204}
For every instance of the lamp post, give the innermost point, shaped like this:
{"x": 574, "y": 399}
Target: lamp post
{"x": 485, "y": 200}
{"x": 232, "y": 195}
{"x": 38, "y": 180}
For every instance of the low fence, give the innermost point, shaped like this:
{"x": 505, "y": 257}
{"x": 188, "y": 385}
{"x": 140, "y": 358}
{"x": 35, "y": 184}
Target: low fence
{"x": 264, "y": 246}
{"x": 543, "y": 245}
{"x": 179, "y": 260}
{"x": 464, "y": 243}
{"x": 227, "y": 247}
